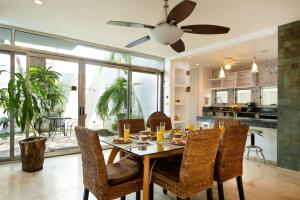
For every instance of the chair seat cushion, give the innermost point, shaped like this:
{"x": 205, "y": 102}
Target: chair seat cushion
{"x": 169, "y": 168}
{"x": 121, "y": 171}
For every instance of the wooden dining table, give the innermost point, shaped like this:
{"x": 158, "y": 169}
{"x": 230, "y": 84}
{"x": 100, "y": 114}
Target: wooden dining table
{"x": 149, "y": 151}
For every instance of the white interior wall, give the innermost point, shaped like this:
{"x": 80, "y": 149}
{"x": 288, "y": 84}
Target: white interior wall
{"x": 167, "y": 88}
{"x": 194, "y": 96}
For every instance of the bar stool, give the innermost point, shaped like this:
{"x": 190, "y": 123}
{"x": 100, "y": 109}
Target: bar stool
{"x": 253, "y": 147}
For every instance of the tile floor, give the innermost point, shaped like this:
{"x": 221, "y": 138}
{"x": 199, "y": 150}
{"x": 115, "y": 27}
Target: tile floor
{"x": 61, "y": 179}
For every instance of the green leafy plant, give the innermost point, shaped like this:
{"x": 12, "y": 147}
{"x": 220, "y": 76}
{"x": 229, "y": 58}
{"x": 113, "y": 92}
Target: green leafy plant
{"x": 32, "y": 97}
{"x": 22, "y": 103}
{"x": 113, "y": 101}
{"x": 44, "y": 84}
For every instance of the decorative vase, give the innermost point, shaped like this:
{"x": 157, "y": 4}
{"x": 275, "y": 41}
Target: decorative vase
{"x": 235, "y": 114}
{"x": 32, "y": 153}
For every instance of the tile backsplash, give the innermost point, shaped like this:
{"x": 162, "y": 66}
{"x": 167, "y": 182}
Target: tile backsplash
{"x": 266, "y": 77}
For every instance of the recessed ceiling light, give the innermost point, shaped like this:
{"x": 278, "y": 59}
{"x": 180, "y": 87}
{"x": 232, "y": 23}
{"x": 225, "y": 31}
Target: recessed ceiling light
{"x": 38, "y": 2}
{"x": 197, "y": 64}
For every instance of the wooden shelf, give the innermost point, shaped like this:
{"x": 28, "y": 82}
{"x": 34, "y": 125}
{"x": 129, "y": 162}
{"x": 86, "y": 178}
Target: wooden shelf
{"x": 214, "y": 79}
{"x": 179, "y": 85}
{"x": 178, "y": 122}
{"x": 240, "y": 79}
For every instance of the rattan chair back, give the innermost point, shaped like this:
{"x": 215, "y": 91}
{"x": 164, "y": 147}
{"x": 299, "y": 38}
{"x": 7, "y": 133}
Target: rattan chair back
{"x": 156, "y": 115}
{"x": 227, "y": 122}
{"x": 155, "y": 122}
{"x": 136, "y": 125}
{"x": 198, "y": 160}
{"x": 93, "y": 163}
{"x": 229, "y": 161}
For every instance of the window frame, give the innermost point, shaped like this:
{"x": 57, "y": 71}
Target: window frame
{"x": 236, "y": 95}
{"x": 261, "y": 95}
{"x": 215, "y": 98}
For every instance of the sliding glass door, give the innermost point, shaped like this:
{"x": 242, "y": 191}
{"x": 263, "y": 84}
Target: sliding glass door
{"x": 73, "y": 92}
{"x": 144, "y": 94}
{"x": 106, "y": 101}
{"x": 55, "y": 81}
{"x": 5, "y": 68}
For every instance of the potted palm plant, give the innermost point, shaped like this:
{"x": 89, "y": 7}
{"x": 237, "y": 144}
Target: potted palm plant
{"x": 28, "y": 100}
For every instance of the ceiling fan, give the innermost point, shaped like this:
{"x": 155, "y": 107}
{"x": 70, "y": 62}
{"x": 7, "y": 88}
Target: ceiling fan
{"x": 167, "y": 32}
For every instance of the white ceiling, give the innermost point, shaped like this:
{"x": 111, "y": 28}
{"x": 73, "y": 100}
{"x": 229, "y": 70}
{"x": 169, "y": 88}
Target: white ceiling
{"x": 266, "y": 48}
{"x": 86, "y": 20}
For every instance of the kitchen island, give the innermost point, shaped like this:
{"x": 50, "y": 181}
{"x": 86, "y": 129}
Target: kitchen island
{"x": 268, "y": 141}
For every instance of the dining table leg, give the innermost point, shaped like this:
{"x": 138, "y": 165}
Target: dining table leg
{"x": 146, "y": 177}
{"x": 112, "y": 155}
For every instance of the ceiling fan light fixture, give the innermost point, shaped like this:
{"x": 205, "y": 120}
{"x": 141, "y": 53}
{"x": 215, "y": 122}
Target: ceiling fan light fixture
{"x": 38, "y": 2}
{"x": 166, "y": 34}
{"x": 222, "y": 73}
{"x": 227, "y": 66}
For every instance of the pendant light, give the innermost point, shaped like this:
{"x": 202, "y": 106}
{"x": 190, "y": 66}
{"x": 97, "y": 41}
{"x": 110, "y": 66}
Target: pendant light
{"x": 254, "y": 65}
{"x": 222, "y": 73}
{"x": 227, "y": 66}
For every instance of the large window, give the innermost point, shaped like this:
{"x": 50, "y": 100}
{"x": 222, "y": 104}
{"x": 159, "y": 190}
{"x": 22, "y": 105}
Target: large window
{"x": 221, "y": 97}
{"x": 47, "y": 43}
{"x": 243, "y": 96}
{"x": 106, "y": 91}
{"x": 269, "y": 96}
{"x": 5, "y": 36}
{"x": 144, "y": 94}
{"x": 147, "y": 62}
{"x": 4, "y": 116}
{"x": 85, "y": 81}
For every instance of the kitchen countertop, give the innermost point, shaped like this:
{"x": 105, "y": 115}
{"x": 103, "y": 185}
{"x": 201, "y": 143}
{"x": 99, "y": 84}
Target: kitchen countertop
{"x": 256, "y": 122}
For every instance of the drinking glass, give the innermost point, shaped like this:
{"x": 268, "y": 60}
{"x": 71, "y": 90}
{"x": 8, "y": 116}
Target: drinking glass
{"x": 126, "y": 131}
{"x": 222, "y": 127}
{"x": 190, "y": 126}
{"x": 162, "y": 126}
{"x": 159, "y": 135}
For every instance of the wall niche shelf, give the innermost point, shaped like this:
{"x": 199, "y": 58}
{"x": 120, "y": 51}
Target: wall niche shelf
{"x": 179, "y": 97}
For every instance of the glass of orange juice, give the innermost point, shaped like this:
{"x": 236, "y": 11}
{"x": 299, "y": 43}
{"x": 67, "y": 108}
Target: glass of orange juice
{"x": 126, "y": 131}
{"x": 222, "y": 127}
{"x": 159, "y": 135}
{"x": 160, "y": 147}
{"x": 162, "y": 126}
{"x": 190, "y": 126}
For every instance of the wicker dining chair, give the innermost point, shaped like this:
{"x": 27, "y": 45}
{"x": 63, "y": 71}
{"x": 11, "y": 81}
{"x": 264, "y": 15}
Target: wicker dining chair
{"x": 196, "y": 171}
{"x": 229, "y": 160}
{"x": 156, "y": 115}
{"x": 105, "y": 182}
{"x": 155, "y": 122}
{"x": 227, "y": 122}
{"x": 136, "y": 125}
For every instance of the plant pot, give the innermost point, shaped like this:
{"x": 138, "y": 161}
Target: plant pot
{"x": 32, "y": 153}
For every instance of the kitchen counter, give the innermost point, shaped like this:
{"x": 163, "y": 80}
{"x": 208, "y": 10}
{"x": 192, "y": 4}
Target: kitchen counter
{"x": 254, "y": 122}
{"x": 268, "y": 142}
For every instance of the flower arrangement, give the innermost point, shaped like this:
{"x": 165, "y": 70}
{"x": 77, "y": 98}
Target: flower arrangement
{"x": 236, "y": 108}
{"x": 59, "y": 111}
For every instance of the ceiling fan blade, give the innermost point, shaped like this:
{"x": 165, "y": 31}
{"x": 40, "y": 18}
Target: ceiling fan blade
{"x": 178, "y": 46}
{"x": 130, "y": 24}
{"x": 205, "y": 29}
{"x": 139, "y": 41}
{"x": 181, "y": 11}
